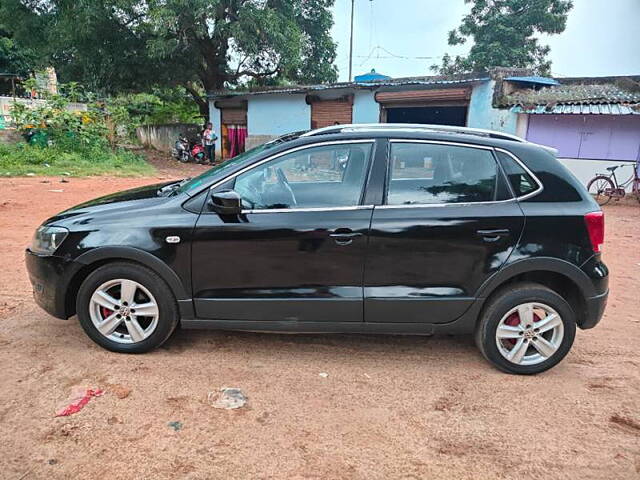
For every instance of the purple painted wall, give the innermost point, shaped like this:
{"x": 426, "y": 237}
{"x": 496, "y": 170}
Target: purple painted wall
{"x": 599, "y": 137}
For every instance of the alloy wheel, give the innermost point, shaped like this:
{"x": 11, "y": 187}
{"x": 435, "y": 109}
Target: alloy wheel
{"x": 124, "y": 311}
{"x": 529, "y": 333}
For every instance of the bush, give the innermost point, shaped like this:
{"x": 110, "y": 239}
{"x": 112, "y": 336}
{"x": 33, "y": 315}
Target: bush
{"x": 129, "y": 111}
{"x": 63, "y": 141}
{"x": 66, "y": 128}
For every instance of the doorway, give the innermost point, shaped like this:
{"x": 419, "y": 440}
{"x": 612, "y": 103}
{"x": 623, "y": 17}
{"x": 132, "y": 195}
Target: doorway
{"x": 449, "y": 115}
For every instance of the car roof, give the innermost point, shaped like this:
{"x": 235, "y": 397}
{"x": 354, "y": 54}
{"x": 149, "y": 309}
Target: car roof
{"x": 425, "y": 131}
{"x": 419, "y": 127}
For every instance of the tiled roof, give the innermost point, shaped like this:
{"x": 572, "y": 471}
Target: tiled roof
{"x": 619, "y": 93}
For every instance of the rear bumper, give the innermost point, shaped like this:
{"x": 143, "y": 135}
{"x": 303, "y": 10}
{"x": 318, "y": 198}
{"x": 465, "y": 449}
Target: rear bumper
{"x": 594, "y": 310}
{"x": 596, "y": 301}
{"x": 49, "y": 276}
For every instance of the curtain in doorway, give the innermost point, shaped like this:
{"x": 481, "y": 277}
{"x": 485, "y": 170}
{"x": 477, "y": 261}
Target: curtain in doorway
{"x": 237, "y": 137}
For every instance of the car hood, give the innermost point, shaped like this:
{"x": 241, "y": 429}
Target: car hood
{"x": 135, "y": 198}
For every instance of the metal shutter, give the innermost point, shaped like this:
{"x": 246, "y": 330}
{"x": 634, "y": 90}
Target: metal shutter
{"x": 325, "y": 113}
{"x": 233, "y": 116}
{"x": 412, "y": 96}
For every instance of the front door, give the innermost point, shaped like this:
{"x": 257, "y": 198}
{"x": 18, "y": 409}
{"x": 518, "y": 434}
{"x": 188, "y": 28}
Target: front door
{"x": 297, "y": 251}
{"x": 447, "y": 223}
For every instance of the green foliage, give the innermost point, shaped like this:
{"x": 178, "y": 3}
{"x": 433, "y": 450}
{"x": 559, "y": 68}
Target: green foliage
{"x": 63, "y": 126}
{"x": 67, "y": 141}
{"x": 503, "y": 32}
{"x": 166, "y": 106}
{"x": 116, "y": 46}
{"x": 13, "y": 59}
{"x": 129, "y": 111}
{"x": 22, "y": 159}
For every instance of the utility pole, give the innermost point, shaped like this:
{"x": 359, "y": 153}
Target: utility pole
{"x": 351, "y": 43}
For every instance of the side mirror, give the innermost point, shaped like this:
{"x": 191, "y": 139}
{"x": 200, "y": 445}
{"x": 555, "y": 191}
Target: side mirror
{"x": 226, "y": 202}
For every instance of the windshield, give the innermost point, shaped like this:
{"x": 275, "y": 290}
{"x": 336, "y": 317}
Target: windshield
{"x": 229, "y": 164}
{"x": 203, "y": 177}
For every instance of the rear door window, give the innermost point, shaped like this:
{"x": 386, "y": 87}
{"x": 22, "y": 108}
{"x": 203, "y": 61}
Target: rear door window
{"x": 427, "y": 173}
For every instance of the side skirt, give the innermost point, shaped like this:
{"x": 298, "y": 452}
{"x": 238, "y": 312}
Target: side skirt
{"x": 463, "y": 325}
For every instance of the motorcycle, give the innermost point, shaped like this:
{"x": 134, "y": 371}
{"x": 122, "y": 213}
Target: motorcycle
{"x": 180, "y": 150}
{"x": 198, "y": 153}
{"x": 186, "y": 151}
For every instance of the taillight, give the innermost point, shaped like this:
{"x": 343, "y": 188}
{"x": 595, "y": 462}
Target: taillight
{"x": 595, "y": 227}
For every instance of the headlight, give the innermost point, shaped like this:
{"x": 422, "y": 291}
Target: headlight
{"x": 47, "y": 239}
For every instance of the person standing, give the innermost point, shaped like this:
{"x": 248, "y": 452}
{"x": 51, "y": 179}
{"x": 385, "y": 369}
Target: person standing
{"x": 209, "y": 142}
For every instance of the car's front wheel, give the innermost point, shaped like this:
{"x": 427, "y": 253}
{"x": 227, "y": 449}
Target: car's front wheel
{"x": 526, "y": 328}
{"x": 126, "y": 307}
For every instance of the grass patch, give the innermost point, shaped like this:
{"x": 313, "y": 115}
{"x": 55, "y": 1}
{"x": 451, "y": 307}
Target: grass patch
{"x": 22, "y": 159}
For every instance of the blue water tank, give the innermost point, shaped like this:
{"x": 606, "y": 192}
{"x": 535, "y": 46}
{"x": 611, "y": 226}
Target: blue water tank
{"x": 372, "y": 76}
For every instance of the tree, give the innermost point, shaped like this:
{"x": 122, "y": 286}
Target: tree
{"x": 504, "y": 34}
{"x": 14, "y": 58}
{"x": 203, "y": 45}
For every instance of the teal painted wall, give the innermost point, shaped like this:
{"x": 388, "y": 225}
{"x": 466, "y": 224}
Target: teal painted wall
{"x": 482, "y": 115}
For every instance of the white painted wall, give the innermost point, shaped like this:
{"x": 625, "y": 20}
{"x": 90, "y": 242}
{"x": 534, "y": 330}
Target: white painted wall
{"x": 522, "y": 125}
{"x": 277, "y": 114}
{"x": 215, "y": 118}
{"x": 365, "y": 107}
{"x": 585, "y": 170}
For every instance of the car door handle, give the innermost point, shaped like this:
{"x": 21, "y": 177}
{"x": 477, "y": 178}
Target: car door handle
{"x": 344, "y": 236}
{"x": 493, "y": 235}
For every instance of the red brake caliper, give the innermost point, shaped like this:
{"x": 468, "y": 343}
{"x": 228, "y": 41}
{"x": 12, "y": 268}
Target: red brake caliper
{"x": 514, "y": 320}
{"x": 105, "y": 312}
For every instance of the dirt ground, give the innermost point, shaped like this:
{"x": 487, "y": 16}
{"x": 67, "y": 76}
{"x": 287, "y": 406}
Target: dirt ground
{"x": 390, "y": 407}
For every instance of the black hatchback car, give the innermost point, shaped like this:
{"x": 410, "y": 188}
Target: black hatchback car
{"x": 393, "y": 229}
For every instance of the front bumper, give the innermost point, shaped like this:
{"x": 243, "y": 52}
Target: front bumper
{"x": 50, "y": 277}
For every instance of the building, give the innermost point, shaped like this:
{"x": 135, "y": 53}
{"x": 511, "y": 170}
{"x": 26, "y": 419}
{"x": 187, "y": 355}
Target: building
{"x": 593, "y": 122}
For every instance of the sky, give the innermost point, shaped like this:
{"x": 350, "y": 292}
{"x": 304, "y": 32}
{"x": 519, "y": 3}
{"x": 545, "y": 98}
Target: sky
{"x": 402, "y": 38}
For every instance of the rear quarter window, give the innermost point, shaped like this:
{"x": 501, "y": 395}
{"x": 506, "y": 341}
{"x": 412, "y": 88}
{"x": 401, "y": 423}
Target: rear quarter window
{"x": 521, "y": 182}
{"x": 559, "y": 185}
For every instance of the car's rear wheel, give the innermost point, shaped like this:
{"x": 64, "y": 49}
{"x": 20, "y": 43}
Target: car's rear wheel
{"x": 126, "y": 307}
{"x": 526, "y": 328}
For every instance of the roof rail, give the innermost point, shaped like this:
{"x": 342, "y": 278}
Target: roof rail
{"x": 362, "y": 127}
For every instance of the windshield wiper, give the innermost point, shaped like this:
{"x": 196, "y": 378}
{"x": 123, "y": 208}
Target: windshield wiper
{"x": 167, "y": 190}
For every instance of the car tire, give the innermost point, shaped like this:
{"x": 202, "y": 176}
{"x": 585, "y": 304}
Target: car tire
{"x": 135, "y": 332}
{"x": 529, "y": 352}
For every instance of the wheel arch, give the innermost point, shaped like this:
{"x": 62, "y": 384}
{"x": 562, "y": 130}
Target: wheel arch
{"x": 563, "y": 277}
{"x": 96, "y": 258}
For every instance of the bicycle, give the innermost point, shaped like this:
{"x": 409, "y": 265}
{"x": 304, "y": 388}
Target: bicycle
{"x": 603, "y": 188}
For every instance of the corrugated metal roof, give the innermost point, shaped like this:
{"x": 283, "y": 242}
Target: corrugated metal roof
{"x": 392, "y": 82}
{"x": 536, "y": 80}
{"x": 580, "y": 109}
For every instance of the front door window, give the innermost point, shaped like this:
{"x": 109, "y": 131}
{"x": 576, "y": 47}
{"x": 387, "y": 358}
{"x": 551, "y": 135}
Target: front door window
{"x": 317, "y": 177}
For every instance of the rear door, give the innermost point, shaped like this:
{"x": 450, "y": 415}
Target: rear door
{"x": 447, "y": 223}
